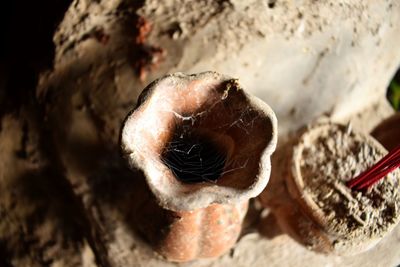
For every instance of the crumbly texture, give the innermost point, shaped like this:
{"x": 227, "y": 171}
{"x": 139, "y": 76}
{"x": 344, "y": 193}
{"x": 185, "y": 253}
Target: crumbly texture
{"x": 332, "y": 159}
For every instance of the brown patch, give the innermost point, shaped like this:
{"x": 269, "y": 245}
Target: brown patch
{"x": 101, "y": 36}
{"x": 147, "y": 57}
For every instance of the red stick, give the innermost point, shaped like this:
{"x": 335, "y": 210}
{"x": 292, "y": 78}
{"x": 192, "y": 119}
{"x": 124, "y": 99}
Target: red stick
{"x": 376, "y": 169}
{"x": 382, "y": 168}
{"x": 373, "y": 179}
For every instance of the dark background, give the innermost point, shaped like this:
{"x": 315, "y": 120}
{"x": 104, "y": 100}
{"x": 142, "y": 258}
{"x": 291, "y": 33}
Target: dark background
{"x": 26, "y": 47}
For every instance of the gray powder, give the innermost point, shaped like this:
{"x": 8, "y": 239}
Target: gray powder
{"x": 332, "y": 159}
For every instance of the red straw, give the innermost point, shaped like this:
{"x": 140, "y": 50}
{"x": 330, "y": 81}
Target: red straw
{"x": 382, "y": 168}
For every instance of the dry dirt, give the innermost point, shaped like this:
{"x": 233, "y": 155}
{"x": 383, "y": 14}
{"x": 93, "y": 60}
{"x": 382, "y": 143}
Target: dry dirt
{"x": 332, "y": 159}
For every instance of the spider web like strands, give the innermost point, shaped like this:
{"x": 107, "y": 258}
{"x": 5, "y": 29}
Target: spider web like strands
{"x": 198, "y": 161}
{"x": 190, "y": 159}
{"x": 194, "y": 160}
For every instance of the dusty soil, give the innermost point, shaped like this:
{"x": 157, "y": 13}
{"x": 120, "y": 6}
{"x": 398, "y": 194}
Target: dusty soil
{"x": 42, "y": 222}
{"x": 328, "y": 162}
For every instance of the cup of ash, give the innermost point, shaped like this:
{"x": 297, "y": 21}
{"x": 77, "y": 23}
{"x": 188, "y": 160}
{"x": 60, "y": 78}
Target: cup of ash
{"x": 322, "y": 212}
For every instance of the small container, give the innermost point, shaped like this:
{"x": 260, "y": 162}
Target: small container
{"x": 322, "y": 212}
{"x": 204, "y": 147}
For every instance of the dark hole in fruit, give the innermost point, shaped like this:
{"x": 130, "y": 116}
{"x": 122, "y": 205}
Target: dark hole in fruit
{"x": 193, "y": 159}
